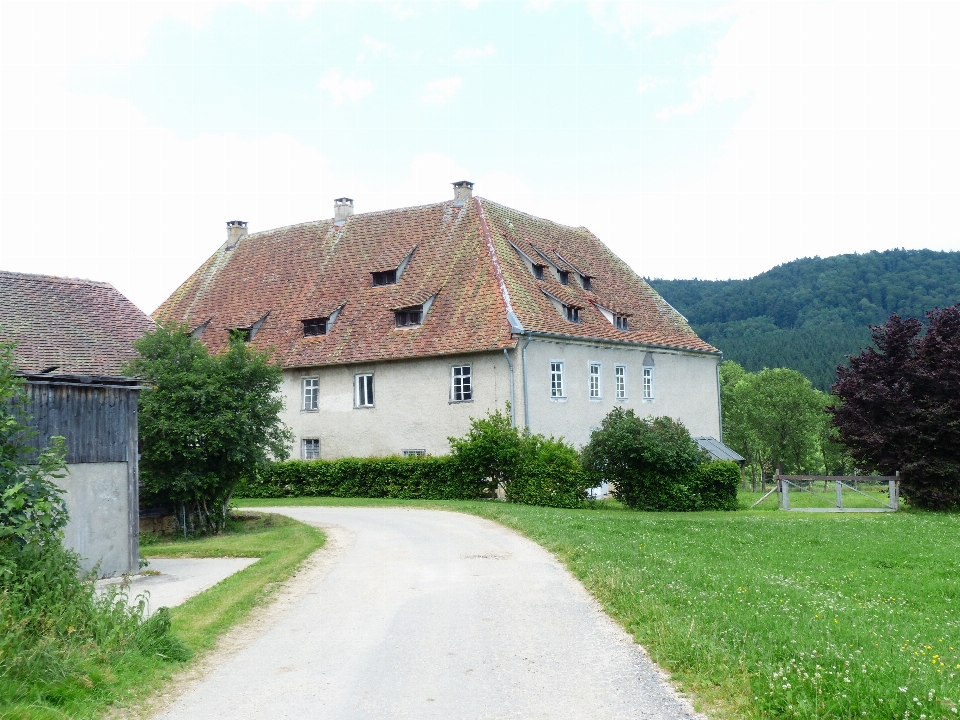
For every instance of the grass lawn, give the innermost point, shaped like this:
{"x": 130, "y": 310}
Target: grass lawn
{"x": 768, "y": 614}
{"x": 280, "y": 543}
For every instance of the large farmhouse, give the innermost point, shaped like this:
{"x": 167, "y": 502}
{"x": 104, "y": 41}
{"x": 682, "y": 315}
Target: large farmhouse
{"x": 394, "y": 328}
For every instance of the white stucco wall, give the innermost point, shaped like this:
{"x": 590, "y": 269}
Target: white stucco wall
{"x": 412, "y": 409}
{"x": 97, "y": 500}
{"x": 685, "y": 388}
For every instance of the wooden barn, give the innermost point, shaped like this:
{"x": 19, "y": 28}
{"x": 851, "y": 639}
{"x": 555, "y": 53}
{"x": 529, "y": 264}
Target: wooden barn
{"x": 73, "y": 338}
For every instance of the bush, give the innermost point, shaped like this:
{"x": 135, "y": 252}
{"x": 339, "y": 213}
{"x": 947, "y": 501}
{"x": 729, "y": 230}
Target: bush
{"x": 420, "y": 478}
{"x": 654, "y": 464}
{"x": 531, "y": 469}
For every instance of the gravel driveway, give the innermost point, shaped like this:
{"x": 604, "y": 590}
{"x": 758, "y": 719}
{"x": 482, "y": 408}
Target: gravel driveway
{"x": 429, "y": 614}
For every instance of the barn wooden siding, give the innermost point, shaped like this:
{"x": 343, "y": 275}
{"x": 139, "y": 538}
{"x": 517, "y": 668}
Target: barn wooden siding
{"x": 97, "y": 422}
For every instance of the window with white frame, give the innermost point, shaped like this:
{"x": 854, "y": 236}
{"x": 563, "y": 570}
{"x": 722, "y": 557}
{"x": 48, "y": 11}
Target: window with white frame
{"x": 311, "y": 448}
{"x": 363, "y": 394}
{"x": 620, "y": 377}
{"x": 594, "y": 380}
{"x": 414, "y": 453}
{"x": 556, "y": 379}
{"x": 461, "y": 383}
{"x": 311, "y": 393}
{"x": 648, "y": 383}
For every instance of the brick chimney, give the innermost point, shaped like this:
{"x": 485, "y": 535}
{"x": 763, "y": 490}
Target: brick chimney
{"x": 462, "y": 191}
{"x": 342, "y": 209}
{"x": 236, "y": 229}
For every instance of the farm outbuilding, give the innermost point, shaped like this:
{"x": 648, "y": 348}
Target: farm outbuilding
{"x": 73, "y": 338}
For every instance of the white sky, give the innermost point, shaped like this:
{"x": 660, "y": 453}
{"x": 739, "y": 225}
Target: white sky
{"x": 696, "y": 139}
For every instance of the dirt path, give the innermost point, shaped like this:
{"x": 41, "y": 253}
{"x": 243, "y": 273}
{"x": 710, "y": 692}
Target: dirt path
{"x": 426, "y": 614}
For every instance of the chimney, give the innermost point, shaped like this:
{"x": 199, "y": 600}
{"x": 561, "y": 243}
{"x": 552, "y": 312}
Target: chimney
{"x": 462, "y": 191}
{"x": 342, "y": 209}
{"x": 236, "y": 229}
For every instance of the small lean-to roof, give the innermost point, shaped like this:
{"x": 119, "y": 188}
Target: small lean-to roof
{"x": 76, "y": 327}
{"x": 459, "y": 255}
{"x": 717, "y": 450}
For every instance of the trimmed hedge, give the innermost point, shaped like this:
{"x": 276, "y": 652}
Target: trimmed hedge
{"x": 712, "y": 486}
{"x": 419, "y": 478}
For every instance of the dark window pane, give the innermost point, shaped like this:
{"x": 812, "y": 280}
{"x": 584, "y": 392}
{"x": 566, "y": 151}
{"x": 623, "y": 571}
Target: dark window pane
{"x": 314, "y": 327}
{"x": 388, "y": 277}
{"x": 564, "y": 277}
{"x": 538, "y": 272}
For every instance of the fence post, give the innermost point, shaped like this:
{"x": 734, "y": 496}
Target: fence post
{"x": 895, "y": 492}
{"x": 839, "y": 494}
{"x": 786, "y": 493}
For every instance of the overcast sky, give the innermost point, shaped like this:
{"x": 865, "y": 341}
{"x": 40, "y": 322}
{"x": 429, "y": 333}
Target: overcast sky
{"x": 699, "y": 139}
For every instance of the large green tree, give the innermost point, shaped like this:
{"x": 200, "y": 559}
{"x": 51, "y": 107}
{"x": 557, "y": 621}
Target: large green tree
{"x": 206, "y": 421}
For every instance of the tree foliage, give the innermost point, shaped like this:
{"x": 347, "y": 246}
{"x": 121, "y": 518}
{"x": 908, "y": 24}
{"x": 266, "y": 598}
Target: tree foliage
{"x": 901, "y": 406}
{"x": 654, "y": 464}
{"x": 530, "y": 469}
{"x": 775, "y": 419}
{"x": 206, "y": 421}
{"x": 810, "y": 314}
{"x": 31, "y": 505}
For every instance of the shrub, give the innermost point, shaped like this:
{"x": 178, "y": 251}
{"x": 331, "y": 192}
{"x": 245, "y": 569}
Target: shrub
{"x": 531, "y": 469}
{"x": 654, "y": 464}
{"x": 421, "y": 478}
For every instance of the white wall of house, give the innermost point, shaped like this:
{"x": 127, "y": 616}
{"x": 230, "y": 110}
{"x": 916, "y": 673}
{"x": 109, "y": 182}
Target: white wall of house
{"x": 684, "y": 387}
{"x": 413, "y": 408}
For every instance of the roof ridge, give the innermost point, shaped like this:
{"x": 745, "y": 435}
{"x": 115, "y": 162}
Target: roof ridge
{"x": 495, "y": 260}
{"x": 56, "y": 278}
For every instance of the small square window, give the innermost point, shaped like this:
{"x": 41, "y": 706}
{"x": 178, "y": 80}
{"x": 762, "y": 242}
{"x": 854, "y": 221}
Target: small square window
{"x": 363, "y": 390}
{"x": 387, "y": 277}
{"x": 573, "y": 313}
{"x": 461, "y": 383}
{"x": 564, "y": 277}
{"x": 648, "y": 383}
{"x": 585, "y": 281}
{"x": 409, "y": 317}
{"x": 556, "y": 379}
{"x": 538, "y": 272}
{"x": 594, "y": 380}
{"x": 414, "y": 453}
{"x": 311, "y": 393}
{"x": 620, "y": 378}
{"x": 621, "y": 322}
{"x": 311, "y": 449}
{"x": 315, "y": 327}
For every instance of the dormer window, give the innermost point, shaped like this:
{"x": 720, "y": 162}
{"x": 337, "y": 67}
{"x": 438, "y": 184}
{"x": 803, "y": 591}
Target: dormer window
{"x": 621, "y": 322}
{"x": 315, "y": 327}
{"x": 585, "y": 282}
{"x": 409, "y": 317}
{"x": 573, "y": 313}
{"x": 563, "y": 276}
{"x": 387, "y": 277}
{"x": 538, "y": 272}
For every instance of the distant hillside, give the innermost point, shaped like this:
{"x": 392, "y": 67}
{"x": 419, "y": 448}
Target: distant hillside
{"x": 808, "y": 314}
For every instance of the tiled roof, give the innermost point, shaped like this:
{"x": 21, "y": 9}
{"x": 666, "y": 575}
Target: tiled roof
{"x": 80, "y": 327}
{"x": 461, "y": 255}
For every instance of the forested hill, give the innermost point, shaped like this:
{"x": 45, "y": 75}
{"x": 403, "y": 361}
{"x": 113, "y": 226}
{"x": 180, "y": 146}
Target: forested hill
{"x": 808, "y": 314}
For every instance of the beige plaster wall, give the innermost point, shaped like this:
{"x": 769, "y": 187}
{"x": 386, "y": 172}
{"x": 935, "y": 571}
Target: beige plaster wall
{"x": 412, "y": 405}
{"x": 685, "y": 388}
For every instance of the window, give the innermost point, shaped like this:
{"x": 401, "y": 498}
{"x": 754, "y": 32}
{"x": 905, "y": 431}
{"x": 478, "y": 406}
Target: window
{"x": 648, "y": 383}
{"x": 585, "y": 281}
{"x": 414, "y": 453}
{"x": 461, "y": 384}
{"x": 594, "y": 380}
{"x": 387, "y": 277}
{"x": 621, "y": 322}
{"x": 620, "y": 377}
{"x": 409, "y": 317}
{"x": 556, "y": 379}
{"x": 364, "y": 390}
{"x": 564, "y": 277}
{"x": 315, "y": 327}
{"x": 538, "y": 272}
{"x": 311, "y": 393}
{"x": 573, "y": 313}
{"x": 311, "y": 449}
